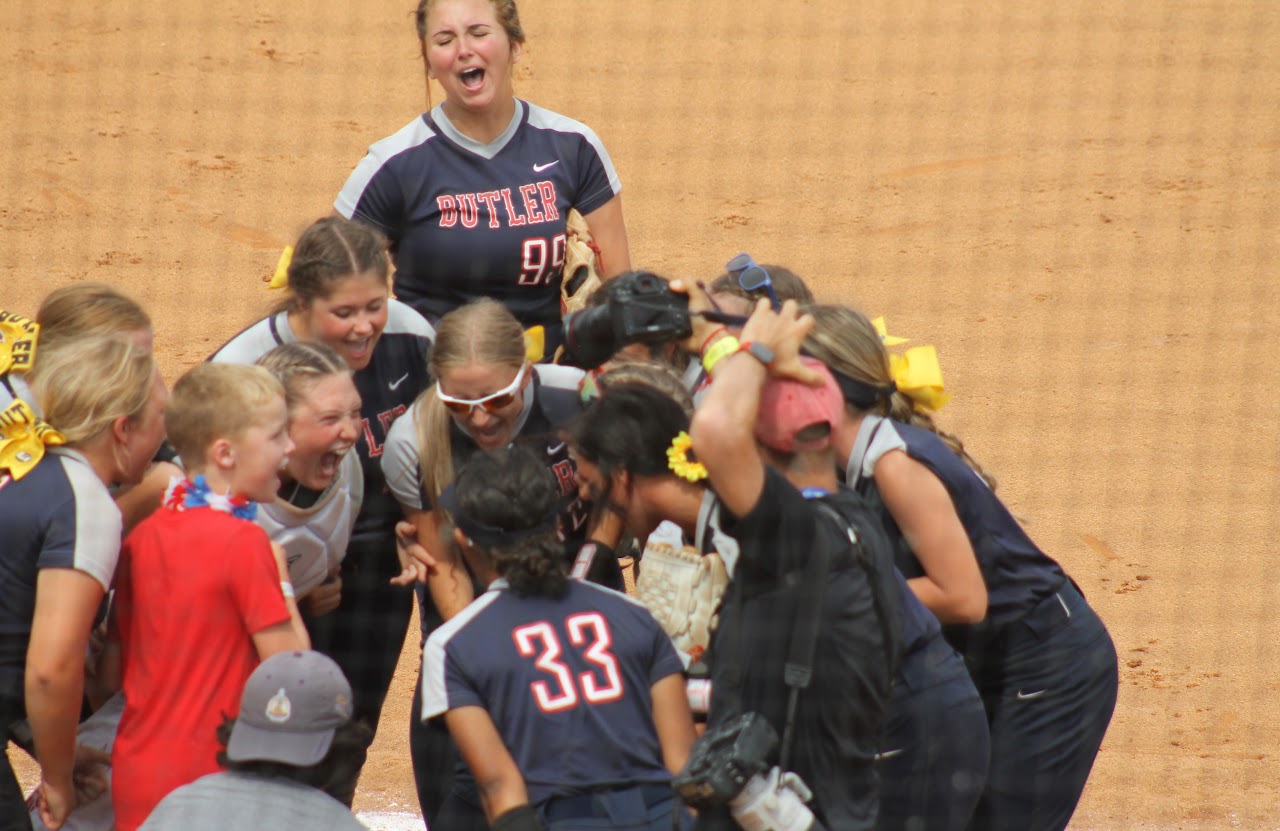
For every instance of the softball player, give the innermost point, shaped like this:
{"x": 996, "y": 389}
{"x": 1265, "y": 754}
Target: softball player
{"x": 1038, "y": 654}
{"x": 474, "y": 194}
{"x": 338, "y": 294}
{"x": 487, "y": 396}
{"x": 81, "y": 310}
{"x": 565, "y": 698}
{"x": 322, "y": 484}
{"x": 64, "y": 532}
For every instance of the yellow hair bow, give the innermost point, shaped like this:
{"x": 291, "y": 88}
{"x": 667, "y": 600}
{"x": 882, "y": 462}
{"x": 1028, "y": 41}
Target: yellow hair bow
{"x": 919, "y": 377}
{"x": 17, "y": 342}
{"x": 23, "y": 438}
{"x": 535, "y": 343}
{"x": 280, "y": 280}
{"x": 883, "y": 331}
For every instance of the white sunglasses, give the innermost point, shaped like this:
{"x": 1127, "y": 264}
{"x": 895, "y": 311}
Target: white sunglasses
{"x": 490, "y": 403}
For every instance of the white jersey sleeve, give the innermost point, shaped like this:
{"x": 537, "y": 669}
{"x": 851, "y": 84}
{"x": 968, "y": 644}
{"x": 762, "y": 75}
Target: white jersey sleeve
{"x": 400, "y": 463}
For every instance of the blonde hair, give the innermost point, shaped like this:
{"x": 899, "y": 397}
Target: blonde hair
{"x": 481, "y": 332}
{"x": 849, "y": 345}
{"x": 87, "y": 383}
{"x": 214, "y": 401}
{"x": 87, "y": 309}
{"x": 298, "y": 366}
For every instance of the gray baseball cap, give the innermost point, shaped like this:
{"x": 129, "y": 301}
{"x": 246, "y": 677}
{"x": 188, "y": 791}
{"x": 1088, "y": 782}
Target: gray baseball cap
{"x": 291, "y": 707}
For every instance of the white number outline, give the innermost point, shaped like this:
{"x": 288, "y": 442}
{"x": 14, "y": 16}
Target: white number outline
{"x": 596, "y": 652}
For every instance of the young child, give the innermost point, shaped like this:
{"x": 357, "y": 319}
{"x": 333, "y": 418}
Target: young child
{"x": 202, "y": 595}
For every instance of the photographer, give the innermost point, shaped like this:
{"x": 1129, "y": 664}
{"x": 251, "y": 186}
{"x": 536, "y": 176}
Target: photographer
{"x": 765, "y": 402}
{"x": 633, "y": 459}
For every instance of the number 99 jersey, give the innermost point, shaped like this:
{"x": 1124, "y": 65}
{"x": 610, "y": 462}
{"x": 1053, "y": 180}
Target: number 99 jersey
{"x": 469, "y": 220}
{"x": 566, "y": 681}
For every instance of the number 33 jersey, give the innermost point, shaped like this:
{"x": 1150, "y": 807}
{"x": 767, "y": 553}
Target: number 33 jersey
{"x": 566, "y": 681}
{"x": 469, "y": 220}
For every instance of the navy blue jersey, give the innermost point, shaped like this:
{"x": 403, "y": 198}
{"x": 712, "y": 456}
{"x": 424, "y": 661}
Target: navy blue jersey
{"x": 1017, "y": 573}
{"x": 551, "y": 403}
{"x": 387, "y": 386}
{"x": 469, "y": 220}
{"x": 567, "y": 682}
{"x": 59, "y": 515}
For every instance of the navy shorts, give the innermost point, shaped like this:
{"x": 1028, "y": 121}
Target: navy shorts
{"x": 1049, "y": 684}
{"x": 936, "y": 748}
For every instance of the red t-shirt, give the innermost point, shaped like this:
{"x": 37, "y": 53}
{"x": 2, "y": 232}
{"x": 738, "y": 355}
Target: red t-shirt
{"x": 192, "y": 588}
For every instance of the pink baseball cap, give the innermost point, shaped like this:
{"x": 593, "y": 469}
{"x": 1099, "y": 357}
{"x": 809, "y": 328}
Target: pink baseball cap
{"x": 788, "y": 407}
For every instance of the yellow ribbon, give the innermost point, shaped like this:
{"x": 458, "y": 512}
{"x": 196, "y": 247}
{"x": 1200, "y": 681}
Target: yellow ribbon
{"x": 535, "y": 343}
{"x": 17, "y": 342}
{"x": 23, "y": 438}
{"x": 886, "y": 338}
{"x": 919, "y": 377}
{"x": 280, "y": 280}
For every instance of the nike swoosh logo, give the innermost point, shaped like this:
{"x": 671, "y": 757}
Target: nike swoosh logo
{"x": 538, "y": 168}
{"x": 551, "y": 451}
{"x": 398, "y": 382}
{"x": 1023, "y": 696}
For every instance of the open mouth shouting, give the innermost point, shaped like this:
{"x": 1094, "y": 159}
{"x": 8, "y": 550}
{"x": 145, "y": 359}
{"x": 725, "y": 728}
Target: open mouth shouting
{"x": 472, "y": 79}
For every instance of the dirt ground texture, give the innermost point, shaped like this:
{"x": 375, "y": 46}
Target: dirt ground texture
{"x": 1072, "y": 200}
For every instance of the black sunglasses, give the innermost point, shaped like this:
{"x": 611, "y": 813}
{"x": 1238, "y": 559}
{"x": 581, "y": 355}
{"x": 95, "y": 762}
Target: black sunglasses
{"x": 752, "y": 277}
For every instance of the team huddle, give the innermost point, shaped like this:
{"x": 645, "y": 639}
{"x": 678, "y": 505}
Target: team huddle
{"x": 205, "y": 590}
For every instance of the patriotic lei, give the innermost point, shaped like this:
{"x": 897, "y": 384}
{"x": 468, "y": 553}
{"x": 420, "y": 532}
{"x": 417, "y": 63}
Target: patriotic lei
{"x": 184, "y": 494}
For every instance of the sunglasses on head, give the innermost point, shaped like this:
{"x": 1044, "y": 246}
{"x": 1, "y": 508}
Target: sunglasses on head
{"x": 490, "y": 403}
{"x": 752, "y": 277}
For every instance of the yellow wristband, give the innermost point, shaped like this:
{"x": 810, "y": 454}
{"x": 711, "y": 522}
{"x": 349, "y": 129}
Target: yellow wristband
{"x": 718, "y": 351}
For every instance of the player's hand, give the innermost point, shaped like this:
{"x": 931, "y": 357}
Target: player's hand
{"x": 325, "y": 597}
{"x": 89, "y": 777}
{"x": 415, "y": 561}
{"x": 55, "y": 803}
{"x": 783, "y": 332}
{"x": 698, "y": 302}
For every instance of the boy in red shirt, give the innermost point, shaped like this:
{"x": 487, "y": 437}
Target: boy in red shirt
{"x": 202, "y": 595}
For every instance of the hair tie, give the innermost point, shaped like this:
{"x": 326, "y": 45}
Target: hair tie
{"x": 17, "y": 342}
{"x": 917, "y": 375}
{"x": 280, "y": 280}
{"x": 23, "y": 438}
{"x": 679, "y": 462}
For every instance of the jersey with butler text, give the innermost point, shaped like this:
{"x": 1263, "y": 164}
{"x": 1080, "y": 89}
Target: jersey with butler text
{"x": 567, "y": 682}
{"x": 469, "y": 220}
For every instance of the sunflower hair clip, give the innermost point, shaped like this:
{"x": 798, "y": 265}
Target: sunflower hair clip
{"x": 679, "y": 462}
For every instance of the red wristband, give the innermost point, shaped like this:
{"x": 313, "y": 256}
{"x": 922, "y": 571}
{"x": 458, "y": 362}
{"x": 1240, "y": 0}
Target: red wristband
{"x": 709, "y": 337}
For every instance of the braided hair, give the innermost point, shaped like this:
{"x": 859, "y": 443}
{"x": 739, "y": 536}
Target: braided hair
{"x": 507, "y": 502}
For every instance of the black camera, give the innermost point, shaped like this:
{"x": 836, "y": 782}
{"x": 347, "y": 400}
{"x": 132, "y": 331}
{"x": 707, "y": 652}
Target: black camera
{"x": 723, "y": 760}
{"x": 638, "y": 307}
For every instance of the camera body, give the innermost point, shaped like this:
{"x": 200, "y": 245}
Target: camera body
{"x": 723, "y": 760}
{"x": 641, "y": 308}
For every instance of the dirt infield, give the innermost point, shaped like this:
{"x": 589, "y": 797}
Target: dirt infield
{"x": 1074, "y": 202}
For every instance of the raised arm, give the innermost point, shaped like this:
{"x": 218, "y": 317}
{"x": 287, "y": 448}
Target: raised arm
{"x": 723, "y": 428}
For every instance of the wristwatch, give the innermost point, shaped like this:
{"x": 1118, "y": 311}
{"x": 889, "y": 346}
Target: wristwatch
{"x": 759, "y": 351}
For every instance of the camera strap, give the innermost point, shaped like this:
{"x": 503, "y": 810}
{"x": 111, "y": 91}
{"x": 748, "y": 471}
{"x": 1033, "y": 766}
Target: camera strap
{"x": 798, "y": 670}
